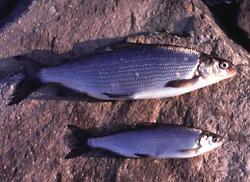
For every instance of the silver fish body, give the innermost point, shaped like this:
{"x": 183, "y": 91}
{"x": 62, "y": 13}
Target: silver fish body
{"x": 141, "y": 72}
{"x": 136, "y": 71}
{"x": 158, "y": 142}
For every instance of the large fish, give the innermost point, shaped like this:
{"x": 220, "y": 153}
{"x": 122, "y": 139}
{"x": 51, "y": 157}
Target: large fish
{"x": 133, "y": 71}
{"x": 159, "y": 141}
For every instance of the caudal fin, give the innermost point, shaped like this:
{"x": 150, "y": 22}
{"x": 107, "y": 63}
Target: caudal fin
{"x": 81, "y": 146}
{"x": 29, "y": 83}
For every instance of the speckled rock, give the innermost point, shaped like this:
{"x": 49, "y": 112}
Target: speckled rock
{"x": 244, "y": 14}
{"x": 32, "y": 145}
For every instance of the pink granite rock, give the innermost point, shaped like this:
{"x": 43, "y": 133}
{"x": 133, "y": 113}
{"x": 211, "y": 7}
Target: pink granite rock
{"x": 32, "y": 146}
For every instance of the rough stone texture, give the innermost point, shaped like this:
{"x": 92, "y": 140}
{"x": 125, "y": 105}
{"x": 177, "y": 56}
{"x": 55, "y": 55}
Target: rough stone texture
{"x": 244, "y": 15}
{"x": 32, "y": 145}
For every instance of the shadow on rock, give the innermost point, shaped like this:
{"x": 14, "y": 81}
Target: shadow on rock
{"x": 173, "y": 166}
{"x": 12, "y": 9}
{"x": 9, "y": 67}
{"x": 226, "y": 16}
{"x": 71, "y": 142}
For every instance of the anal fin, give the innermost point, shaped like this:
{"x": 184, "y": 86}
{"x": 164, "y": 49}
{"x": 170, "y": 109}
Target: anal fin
{"x": 110, "y": 95}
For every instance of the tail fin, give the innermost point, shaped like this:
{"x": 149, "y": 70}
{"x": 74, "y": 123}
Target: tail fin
{"x": 81, "y": 146}
{"x": 29, "y": 83}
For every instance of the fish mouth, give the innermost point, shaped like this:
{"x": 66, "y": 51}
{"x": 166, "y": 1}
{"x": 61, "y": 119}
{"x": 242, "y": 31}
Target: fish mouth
{"x": 221, "y": 142}
{"x": 232, "y": 71}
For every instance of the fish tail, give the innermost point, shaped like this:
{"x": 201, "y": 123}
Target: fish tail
{"x": 81, "y": 146}
{"x": 30, "y": 81}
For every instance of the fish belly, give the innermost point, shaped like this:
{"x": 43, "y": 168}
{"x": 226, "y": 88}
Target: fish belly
{"x": 136, "y": 73}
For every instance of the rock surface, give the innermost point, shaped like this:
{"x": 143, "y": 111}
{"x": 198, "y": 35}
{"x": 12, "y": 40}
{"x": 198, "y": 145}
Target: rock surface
{"x": 32, "y": 145}
{"x": 244, "y": 15}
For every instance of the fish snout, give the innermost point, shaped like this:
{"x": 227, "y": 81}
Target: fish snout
{"x": 221, "y": 141}
{"x": 232, "y": 71}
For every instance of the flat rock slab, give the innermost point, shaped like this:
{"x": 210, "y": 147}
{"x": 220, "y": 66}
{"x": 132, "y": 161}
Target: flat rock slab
{"x": 243, "y": 18}
{"x": 32, "y": 145}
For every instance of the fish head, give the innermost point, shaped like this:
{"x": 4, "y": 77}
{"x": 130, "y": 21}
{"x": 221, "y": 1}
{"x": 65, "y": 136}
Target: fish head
{"x": 214, "y": 69}
{"x": 209, "y": 141}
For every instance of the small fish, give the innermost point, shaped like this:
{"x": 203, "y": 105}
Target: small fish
{"x": 130, "y": 71}
{"x": 155, "y": 141}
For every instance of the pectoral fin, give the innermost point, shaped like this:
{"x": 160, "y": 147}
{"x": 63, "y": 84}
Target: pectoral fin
{"x": 190, "y": 151}
{"x": 182, "y": 83}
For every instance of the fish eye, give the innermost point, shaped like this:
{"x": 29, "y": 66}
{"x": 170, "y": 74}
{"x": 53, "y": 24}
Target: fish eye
{"x": 224, "y": 65}
{"x": 215, "y": 139}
